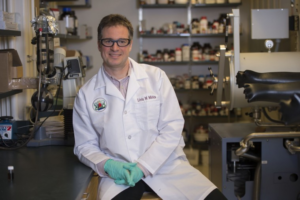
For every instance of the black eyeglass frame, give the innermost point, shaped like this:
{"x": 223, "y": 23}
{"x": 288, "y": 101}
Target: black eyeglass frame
{"x": 115, "y": 41}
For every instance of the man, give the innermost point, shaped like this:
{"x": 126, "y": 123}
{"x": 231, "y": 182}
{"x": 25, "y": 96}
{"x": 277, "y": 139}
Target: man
{"x": 127, "y": 126}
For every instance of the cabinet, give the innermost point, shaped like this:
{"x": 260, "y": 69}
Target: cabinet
{"x": 157, "y": 15}
{"x": 9, "y": 33}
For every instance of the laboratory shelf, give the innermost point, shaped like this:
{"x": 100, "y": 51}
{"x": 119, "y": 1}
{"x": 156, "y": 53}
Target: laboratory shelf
{"x": 211, "y": 35}
{"x": 10, "y": 33}
{"x": 9, "y": 93}
{"x": 182, "y": 63}
{"x": 76, "y": 37}
{"x": 165, "y": 63}
{"x": 146, "y": 35}
{"x": 216, "y": 5}
{"x": 164, "y": 5}
{"x": 76, "y": 6}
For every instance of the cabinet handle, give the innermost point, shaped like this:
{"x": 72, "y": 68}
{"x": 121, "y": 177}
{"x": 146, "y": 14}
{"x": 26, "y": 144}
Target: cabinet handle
{"x": 87, "y": 195}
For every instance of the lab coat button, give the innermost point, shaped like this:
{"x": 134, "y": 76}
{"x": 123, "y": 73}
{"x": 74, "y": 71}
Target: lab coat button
{"x": 129, "y": 137}
{"x": 125, "y": 112}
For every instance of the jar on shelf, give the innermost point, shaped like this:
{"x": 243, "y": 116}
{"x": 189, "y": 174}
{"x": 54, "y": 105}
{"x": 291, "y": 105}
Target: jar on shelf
{"x": 187, "y": 84}
{"x": 75, "y": 23}
{"x": 172, "y": 55}
{"x": 166, "y": 55}
{"x": 196, "y": 48}
{"x": 195, "y": 82}
{"x": 215, "y": 26}
{"x": 171, "y": 1}
{"x": 222, "y": 23}
{"x": 203, "y": 24}
{"x": 68, "y": 20}
{"x": 142, "y": 2}
{"x": 159, "y": 56}
{"x": 178, "y": 55}
{"x": 206, "y": 51}
{"x": 201, "y": 80}
{"x": 185, "y": 52}
{"x": 195, "y": 26}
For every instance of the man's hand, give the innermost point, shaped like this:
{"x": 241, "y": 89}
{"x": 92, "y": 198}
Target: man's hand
{"x": 118, "y": 171}
{"x": 135, "y": 172}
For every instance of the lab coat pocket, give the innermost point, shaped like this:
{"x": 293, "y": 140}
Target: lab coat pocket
{"x": 147, "y": 114}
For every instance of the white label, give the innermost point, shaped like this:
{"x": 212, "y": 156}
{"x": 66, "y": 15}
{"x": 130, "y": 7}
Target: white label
{"x": 264, "y": 162}
{"x": 6, "y": 131}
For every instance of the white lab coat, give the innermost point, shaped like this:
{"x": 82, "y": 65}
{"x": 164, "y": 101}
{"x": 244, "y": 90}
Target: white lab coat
{"x": 145, "y": 127}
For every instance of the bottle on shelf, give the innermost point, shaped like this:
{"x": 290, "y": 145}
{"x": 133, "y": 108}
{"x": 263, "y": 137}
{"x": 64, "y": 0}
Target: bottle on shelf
{"x": 203, "y": 24}
{"x": 206, "y": 51}
{"x": 196, "y": 51}
{"x": 166, "y": 55}
{"x": 75, "y": 23}
{"x": 68, "y": 19}
{"x": 222, "y": 23}
{"x": 185, "y": 52}
{"x": 178, "y": 55}
{"x": 195, "y": 26}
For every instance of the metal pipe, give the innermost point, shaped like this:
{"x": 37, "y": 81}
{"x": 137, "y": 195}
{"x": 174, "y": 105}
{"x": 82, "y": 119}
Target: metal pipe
{"x": 245, "y": 143}
{"x": 291, "y": 147}
{"x": 256, "y": 185}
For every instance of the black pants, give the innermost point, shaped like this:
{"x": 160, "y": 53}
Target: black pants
{"x": 136, "y": 193}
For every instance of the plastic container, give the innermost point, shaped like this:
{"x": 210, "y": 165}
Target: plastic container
{"x": 68, "y": 20}
{"x": 185, "y": 52}
{"x": 203, "y": 25}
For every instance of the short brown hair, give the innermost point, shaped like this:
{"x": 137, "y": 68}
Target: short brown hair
{"x": 114, "y": 20}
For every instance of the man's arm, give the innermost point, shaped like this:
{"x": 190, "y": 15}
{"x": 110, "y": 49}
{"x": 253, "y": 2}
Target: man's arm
{"x": 86, "y": 139}
{"x": 170, "y": 125}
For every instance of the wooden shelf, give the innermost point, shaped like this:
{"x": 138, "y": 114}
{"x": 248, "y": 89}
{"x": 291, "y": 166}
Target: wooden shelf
{"x": 9, "y": 33}
{"x": 9, "y": 93}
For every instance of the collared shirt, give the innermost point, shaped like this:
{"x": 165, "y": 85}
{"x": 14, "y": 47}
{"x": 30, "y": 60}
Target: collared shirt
{"x": 121, "y": 84}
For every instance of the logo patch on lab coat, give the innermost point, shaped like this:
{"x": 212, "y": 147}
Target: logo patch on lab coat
{"x": 99, "y": 105}
{"x": 147, "y": 97}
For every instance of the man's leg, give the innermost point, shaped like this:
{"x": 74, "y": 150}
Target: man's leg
{"x": 132, "y": 193}
{"x": 216, "y": 194}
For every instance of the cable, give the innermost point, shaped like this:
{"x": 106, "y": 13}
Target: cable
{"x": 34, "y": 131}
{"x": 269, "y": 118}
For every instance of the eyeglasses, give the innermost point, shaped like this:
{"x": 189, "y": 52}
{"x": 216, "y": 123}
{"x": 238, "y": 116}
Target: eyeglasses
{"x": 120, "y": 42}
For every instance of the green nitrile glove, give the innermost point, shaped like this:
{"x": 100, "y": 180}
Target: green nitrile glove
{"x": 117, "y": 171}
{"x": 135, "y": 172}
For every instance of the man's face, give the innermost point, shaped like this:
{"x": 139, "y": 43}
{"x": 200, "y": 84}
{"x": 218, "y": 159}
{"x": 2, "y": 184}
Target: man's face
{"x": 115, "y": 56}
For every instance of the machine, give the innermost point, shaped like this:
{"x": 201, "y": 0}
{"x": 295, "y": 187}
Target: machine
{"x": 54, "y": 68}
{"x": 252, "y": 161}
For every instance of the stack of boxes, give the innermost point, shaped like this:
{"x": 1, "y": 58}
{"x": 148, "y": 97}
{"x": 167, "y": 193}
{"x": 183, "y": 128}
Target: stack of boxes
{"x": 9, "y": 21}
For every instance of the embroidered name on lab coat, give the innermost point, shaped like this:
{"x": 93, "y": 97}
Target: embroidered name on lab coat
{"x": 146, "y": 98}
